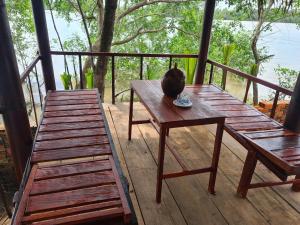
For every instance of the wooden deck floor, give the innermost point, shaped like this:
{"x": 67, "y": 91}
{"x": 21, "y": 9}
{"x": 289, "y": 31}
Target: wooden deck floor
{"x": 186, "y": 200}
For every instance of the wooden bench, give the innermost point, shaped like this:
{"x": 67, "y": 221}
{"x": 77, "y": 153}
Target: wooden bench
{"x": 75, "y": 175}
{"x": 265, "y": 139}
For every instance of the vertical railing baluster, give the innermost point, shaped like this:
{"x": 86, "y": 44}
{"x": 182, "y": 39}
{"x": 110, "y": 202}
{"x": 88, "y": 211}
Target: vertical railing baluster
{"x": 273, "y": 111}
{"x": 33, "y": 102}
{"x": 113, "y": 91}
{"x": 224, "y": 79}
{"x": 141, "y": 67}
{"x": 80, "y": 72}
{"x": 211, "y": 73}
{"x": 170, "y": 62}
{"x": 247, "y": 90}
{"x": 39, "y": 88}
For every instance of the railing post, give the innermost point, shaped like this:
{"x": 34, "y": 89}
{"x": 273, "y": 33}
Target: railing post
{"x": 170, "y": 62}
{"x": 12, "y": 101}
{"x": 39, "y": 88}
{"x": 247, "y": 90}
{"x": 224, "y": 79}
{"x": 292, "y": 121}
{"x": 141, "y": 67}
{"x": 80, "y": 73}
{"x": 43, "y": 43}
{"x": 273, "y": 111}
{"x": 113, "y": 88}
{"x": 33, "y": 101}
{"x": 211, "y": 73}
{"x": 205, "y": 39}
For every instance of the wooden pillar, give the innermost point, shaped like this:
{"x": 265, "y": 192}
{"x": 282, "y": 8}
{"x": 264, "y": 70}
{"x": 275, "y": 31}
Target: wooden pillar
{"x": 292, "y": 120}
{"x": 13, "y": 107}
{"x": 43, "y": 43}
{"x": 205, "y": 39}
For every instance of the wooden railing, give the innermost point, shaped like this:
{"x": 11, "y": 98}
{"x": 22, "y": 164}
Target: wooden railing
{"x": 250, "y": 79}
{"x": 26, "y": 77}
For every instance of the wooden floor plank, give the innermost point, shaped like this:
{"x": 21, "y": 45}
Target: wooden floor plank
{"x": 197, "y": 186}
{"x": 263, "y": 205}
{"x": 141, "y": 168}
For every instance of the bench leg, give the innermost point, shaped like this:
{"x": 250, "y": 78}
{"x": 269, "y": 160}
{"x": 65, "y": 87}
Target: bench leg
{"x": 247, "y": 174}
{"x": 296, "y": 187}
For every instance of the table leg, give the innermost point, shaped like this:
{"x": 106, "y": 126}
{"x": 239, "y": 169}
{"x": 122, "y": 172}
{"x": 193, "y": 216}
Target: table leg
{"x": 215, "y": 158}
{"x": 130, "y": 114}
{"x": 160, "y": 166}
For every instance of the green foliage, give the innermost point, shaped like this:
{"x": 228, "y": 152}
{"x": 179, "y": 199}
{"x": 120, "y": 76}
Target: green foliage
{"x": 89, "y": 76}
{"x": 66, "y": 80}
{"x": 287, "y": 77}
{"x": 190, "y": 67}
{"x": 254, "y": 70}
{"x": 228, "y": 50}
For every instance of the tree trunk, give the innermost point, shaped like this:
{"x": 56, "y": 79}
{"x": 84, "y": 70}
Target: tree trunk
{"x": 105, "y": 44}
{"x": 96, "y": 45}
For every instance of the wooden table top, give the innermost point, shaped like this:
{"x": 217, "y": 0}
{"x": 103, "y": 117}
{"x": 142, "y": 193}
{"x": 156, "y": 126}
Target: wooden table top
{"x": 165, "y": 112}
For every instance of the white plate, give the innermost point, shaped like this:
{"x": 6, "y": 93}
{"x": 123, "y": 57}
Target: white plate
{"x": 183, "y": 105}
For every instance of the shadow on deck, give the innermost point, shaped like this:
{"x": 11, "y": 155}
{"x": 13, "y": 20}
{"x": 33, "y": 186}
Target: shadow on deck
{"x": 185, "y": 200}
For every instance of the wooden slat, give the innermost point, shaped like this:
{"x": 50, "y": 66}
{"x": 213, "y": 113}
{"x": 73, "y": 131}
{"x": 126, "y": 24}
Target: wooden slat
{"x": 59, "y": 184}
{"x": 279, "y": 142}
{"x": 254, "y": 126}
{"x": 232, "y": 108}
{"x": 71, "y": 153}
{"x": 72, "y": 169}
{"x": 287, "y": 152}
{"x": 71, "y": 142}
{"x": 72, "y": 102}
{"x": 42, "y": 136}
{"x": 79, "y": 112}
{"x": 72, "y": 198}
{"x": 270, "y": 134}
{"x": 72, "y": 93}
{"x": 71, "y": 97}
{"x": 71, "y": 107}
{"x": 236, "y": 113}
{"x": 83, "y": 118}
{"x": 70, "y": 126}
{"x": 246, "y": 119}
{"x": 85, "y": 217}
{"x": 71, "y": 211}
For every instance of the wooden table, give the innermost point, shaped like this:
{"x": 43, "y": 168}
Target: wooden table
{"x": 166, "y": 116}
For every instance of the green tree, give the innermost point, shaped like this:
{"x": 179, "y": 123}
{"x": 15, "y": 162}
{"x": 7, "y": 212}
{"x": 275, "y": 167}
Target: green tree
{"x": 265, "y": 12}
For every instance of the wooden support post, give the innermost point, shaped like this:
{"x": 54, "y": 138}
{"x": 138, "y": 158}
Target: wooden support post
{"x": 12, "y": 99}
{"x": 43, "y": 42}
{"x": 205, "y": 39}
{"x": 292, "y": 120}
